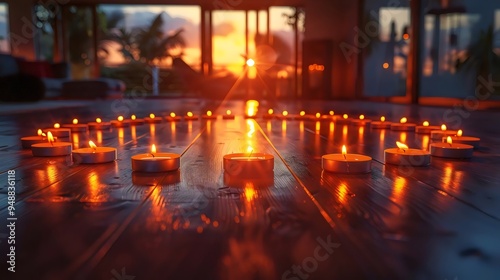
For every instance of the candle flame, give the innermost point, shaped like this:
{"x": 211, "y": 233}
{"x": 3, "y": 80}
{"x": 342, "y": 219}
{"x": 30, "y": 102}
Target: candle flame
{"x": 382, "y": 119}
{"x": 449, "y": 141}
{"x": 172, "y": 115}
{"x": 98, "y": 120}
{"x": 426, "y": 123}
{"x": 403, "y": 120}
{"x": 189, "y": 114}
{"x": 443, "y": 127}
{"x": 152, "y": 116}
{"x": 133, "y": 117}
{"x": 120, "y": 118}
{"x": 39, "y": 132}
{"x": 75, "y": 121}
{"x": 344, "y": 150}
{"x": 50, "y": 138}
{"x": 153, "y": 149}
{"x": 285, "y": 113}
{"x": 459, "y": 133}
{"x": 332, "y": 113}
{"x": 402, "y": 146}
{"x": 92, "y": 145}
{"x": 318, "y": 115}
{"x": 209, "y": 113}
{"x": 361, "y": 117}
{"x": 57, "y": 125}
{"x": 270, "y": 111}
{"x": 302, "y": 113}
{"x": 228, "y": 112}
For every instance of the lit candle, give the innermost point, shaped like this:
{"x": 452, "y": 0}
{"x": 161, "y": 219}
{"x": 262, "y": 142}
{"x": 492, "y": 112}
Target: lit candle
{"x": 248, "y": 164}
{"x": 451, "y": 150}
{"x": 120, "y": 122}
{"x": 269, "y": 114}
{"x": 444, "y": 132}
{"x": 228, "y": 115}
{"x": 94, "y": 154}
{"x": 190, "y": 116}
{"x": 209, "y": 115}
{"x": 403, "y": 125}
{"x": 402, "y": 155}
{"x": 425, "y": 128}
{"x": 155, "y": 162}
{"x": 469, "y": 140}
{"x": 153, "y": 119}
{"x": 99, "y": 125}
{"x": 59, "y": 132}
{"x": 30, "y": 140}
{"x": 344, "y": 120}
{"x": 173, "y": 117}
{"x": 76, "y": 127}
{"x": 51, "y": 148}
{"x": 136, "y": 121}
{"x": 382, "y": 124}
{"x": 346, "y": 163}
{"x": 302, "y": 116}
{"x": 361, "y": 121}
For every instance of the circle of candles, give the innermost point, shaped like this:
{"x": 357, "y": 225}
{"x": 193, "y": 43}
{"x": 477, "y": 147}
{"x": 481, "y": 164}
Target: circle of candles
{"x": 99, "y": 125}
{"x": 190, "y": 116}
{"x": 76, "y": 127}
{"x": 346, "y": 163}
{"x": 59, "y": 132}
{"x": 155, "y": 162}
{"x": 248, "y": 164}
{"x": 444, "y": 132}
{"x": 153, "y": 119}
{"x": 27, "y": 141}
{"x": 51, "y": 148}
{"x": 344, "y": 119}
{"x": 228, "y": 115}
{"x": 173, "y": 117}
{"x": 209, "y": 115}
{"x": 94, "y": 154}
{"x": 469, "y": 140}
{"x": 120, "y": 122}
{"x": 382, "y": 124}
{"x": 269, "y": 115}
{"x": 361, "y": 121}
{"x": 402, "y": 155}
{"x": 425, "y": 128}
{"x": 135, "y": 121}
{"x": 451, "y": 150}
{"x": 403, "y": 125}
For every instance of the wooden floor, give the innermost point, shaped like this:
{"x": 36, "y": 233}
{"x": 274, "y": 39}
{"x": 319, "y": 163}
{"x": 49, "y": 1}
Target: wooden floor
{"x": 78, "y": 221}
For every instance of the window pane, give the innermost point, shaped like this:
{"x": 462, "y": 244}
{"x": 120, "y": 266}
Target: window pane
{"x": 4, "y": 28}
{"x": 229, "y": 41}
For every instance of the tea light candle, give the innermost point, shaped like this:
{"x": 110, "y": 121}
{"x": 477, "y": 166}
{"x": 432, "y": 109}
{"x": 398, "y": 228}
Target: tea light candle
{"x": 346, "y": 163}
{"x": 330, "y": 117}
{"x": 402, "y": 155}
{"x": 51, "y": 148}
{"x": 209, "y": 115}
{"x": 362, "y": 121}
{"x": 344, "y": 120}
{"x": 382, "y": 124}
{"x": 59, "y": 132}
{"x": 425, "y": 128}
{"x": 94, "y": 154}
{"x": 153, "y": 119}
{"x": 76, "y": 127}
{"x": 135, "y": 121}
{"x": 228, "y": 115}
{"x": 469, "y": 140}
{"x": 302, "y": 116}
{"x": 190, "y": 116}
{"x": 269, "y": 115}
{"x": 27, "y": 141}
{"x": 120, "y": 122}
{"x": 156, "y": 162}
{"x": 285, "y": 116}
{"x": 173, "y": 117}
{"x": 248, "y": 164}
{"x": 444, "y": 132}
{"x": 99, "y": 125}
{"x": 403, "y": 125}
{"x": 451, "y": 150}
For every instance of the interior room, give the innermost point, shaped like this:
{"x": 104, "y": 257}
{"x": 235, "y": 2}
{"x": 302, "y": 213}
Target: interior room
{"x": 233, "y": 139}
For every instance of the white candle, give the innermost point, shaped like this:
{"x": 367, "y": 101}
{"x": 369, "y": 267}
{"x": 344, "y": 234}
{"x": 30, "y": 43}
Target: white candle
{"x": 248, "y": 164}
{"x": 402, "y": 155}
{"x": 76, "y": 127}
{"x": 59, "y": 132}
{"x": 51, "y": 148}
{"x": 27, "y": 141}
{"x": 94, "y": 154}
{"x": 190, "y": 116}
{"x": 155, "y": 162}
{"x": 173, "y": 117}
{"x": 469, "y": 140}
{"x": 403, "y": 125}
{"x": 346, "y": 163}
{"x": 361, "y": 121}
{"x": 443, "y": 132}
{"x": 451, "y": 150}
{"x": 382, "y": 124}
{"x": 99, "y": 124}
{"x": 153, "y": 119}
{"x": 425, "y": 128}
{"x": 120, "y": 122}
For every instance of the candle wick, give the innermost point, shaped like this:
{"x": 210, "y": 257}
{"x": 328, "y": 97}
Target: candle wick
{"x": 345, "y": 157}
{"x": 94, "y": 150}
{"x": 152, "y": 155}
{"x": 404, "y": 151}
{"x": 250, "y": 153}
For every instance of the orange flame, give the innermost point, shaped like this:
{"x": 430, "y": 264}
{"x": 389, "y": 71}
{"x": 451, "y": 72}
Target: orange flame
{"x": 152, "y": 116}
{"x": 344, "y": 150}
{"x": 361, "y": 117}
{"x": 57, "y": 125}
{"x": 403, "y": 120}
{"x": 153, "y": 149}
{"x": 345, "y": 116}
{"x": 75, "y": 121}
{"x": 459, "y": 133}
{"x": 270, "y": 111}
{"x": 50, "y": 138}
{"x": 172, "y": 115}
{"x": 332, "y": 113}
{"x": 382, "y": 119}
{"x": 209, "y": 113}
{"x": 98, "y": 120}
{"x": 133, "y": 117}
{"x": 285, "y": 113}
{"x": 189, "y": 114}
{"x": 448, "y": 140}
{"x": 426, "y": 123}
{"x": 39, "y": 132}
{"x": 318, "y": 115}
{"x": 120, "y": 118}
{"x": 228, "y": 112}
{"x": 443, "y": 127}
{"x": 302, "y": 113}
{"x": 401, "y": 146}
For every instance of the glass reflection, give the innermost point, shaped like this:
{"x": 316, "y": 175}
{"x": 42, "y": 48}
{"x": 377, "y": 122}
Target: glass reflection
{"x": 121, "y": 136}
{"x": 76, "y": 140}
{"x": 399, "y": 189}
